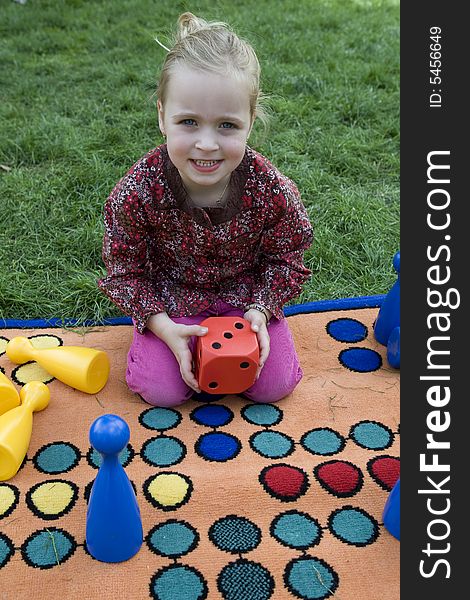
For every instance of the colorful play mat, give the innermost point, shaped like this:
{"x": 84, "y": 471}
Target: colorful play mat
{"x": 239, "y": 501}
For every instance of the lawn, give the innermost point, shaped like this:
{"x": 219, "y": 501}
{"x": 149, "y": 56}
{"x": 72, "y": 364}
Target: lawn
{"x": 77, "y": 79}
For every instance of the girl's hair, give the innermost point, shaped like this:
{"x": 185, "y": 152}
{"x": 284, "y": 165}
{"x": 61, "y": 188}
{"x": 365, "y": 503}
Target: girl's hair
{"x": 214, "y": 47}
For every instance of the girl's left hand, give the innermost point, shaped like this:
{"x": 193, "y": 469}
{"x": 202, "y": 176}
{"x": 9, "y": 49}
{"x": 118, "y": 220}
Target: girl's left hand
{"x": 259, "y": 326}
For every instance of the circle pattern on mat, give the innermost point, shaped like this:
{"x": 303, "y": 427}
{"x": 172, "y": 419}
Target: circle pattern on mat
{"x": 217, "y": 446}
{"x": 323, "y": 441}
{"x": 52, "y": 499}
{"x": 296, "y": 530}
{"x": 9, "y": 498}
{"x": 160, "y": 419}
{"x": 58, "y": 457}
{"x": 3, "y": 344}
{"x": 339, "y": 477}
{"x": 6, "y": 549}
{"x": 347, "y": 330}
{"x": 272, "y": 444}
{"x": 176, "y": 582}
{"x": 353, "y": 526}
{"x": 168, "y": 490}
{"x": 310, "y": 578}
{"x": 284, "y": 482}
{"x": 172, "y": 538}
{"x": 163, "y": 451}
{"x": 235, "y": 534}
{"x": 212, "y": 415}
{"x": 362, "y": 360}
{"x": 47, "y": 548}
{"x": 245, "y": 580}
{"x": 262, "y": 414}
{"x": 384, "y": 470}
{"x": 371, "y": 435}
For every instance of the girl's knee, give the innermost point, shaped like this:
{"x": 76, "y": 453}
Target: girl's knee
{"x": 164, "y": 398}
{"x": 266, "y": 390}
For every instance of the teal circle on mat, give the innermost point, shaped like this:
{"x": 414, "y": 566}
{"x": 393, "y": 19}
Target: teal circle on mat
{"x": 178, "y": 582}
{"x": 6, "y": 550}
{"x": 296, "y": 530}
{"x": 163, "y": 451}
{"x": 310, "y": 578}
{"x": 353, "y": 526}
{"x": 160, "y": 419}
{"x": 58, "y": 457}
{"x": 323, "y": 441}
{"x": 371, "y": 435}
{"x": 173, "y": 538}
{"x": 125, "y": 457}
{"x": 245, "y": 580}
{"x": 272, "y": 444}
{"x": 235, "y": 534}
{"x": 262, "y": 414}
{"x": 48, "y": 548}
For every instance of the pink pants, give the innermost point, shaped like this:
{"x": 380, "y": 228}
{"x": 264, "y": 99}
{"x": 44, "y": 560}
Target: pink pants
{"x": 153, "y": 371}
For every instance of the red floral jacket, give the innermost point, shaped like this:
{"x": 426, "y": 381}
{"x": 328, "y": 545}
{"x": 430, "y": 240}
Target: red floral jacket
{"x": 162, "y": 253}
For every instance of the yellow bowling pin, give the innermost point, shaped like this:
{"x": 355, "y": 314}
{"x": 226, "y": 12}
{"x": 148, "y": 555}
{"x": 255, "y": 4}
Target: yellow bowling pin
{"x": 16, "y": 427}
{"x": 9, "y": 397}
{"x": 85, "y": 369}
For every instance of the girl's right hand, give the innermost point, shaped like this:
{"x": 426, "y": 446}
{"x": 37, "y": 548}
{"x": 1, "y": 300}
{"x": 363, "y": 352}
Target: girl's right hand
{"x": 177, "y": 337}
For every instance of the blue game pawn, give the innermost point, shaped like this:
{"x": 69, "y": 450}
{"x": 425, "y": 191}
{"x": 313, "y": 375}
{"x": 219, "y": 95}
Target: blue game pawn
{"x": 389, "y": 313}
{"x": 113, "y": 524}
{"x": 391, "y": 512}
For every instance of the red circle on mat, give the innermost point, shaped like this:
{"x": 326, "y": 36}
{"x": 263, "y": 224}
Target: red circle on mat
{"x": 385, "y": 470}
{"x": 284, "y": 482}
{"x": 340, "y": 478}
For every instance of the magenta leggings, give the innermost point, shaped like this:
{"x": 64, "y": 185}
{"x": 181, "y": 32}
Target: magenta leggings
{"x": 153, "y": 371}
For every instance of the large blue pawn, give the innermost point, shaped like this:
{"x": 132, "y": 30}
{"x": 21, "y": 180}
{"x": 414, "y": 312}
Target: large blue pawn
{"x": 113, "y": 524}
{"x": 389, "y": 313}
{"x": 391, "y": 512}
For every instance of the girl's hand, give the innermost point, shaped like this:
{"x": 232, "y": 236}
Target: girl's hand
{"x": 259, "y": 326}
{"x": 177, "y": 336}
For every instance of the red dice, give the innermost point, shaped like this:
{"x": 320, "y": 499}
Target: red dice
{"x": 226, "y": 357}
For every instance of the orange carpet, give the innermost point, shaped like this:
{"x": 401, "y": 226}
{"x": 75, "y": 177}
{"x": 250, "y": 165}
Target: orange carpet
{"x": 238, "y": 501}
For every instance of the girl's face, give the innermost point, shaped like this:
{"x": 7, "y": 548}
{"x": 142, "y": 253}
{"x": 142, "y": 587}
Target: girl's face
{"x": 206, "y": 119}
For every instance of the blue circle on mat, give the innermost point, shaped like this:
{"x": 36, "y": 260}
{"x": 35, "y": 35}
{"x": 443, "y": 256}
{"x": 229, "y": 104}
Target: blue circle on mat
{"x": 173, "y": 538}
{"x": 323, "y": 441}
{"x": 310, "y": 578}
{"x": 353, "y": 526}
{"x": 217, "y": 446}
{"x": 212, "y": 415}
{"x": 58, "y": 457}
{"x": 6, "y": 550}
{"x": 48, "y": 548}
{"x": 163, "y": 451}
{"x": 176, "y": 582}
{"x": 245, "y": 580}
{"x": 347, "y": 330}
{"x": 362, "y": 360}
{"x": 296, "y": 530}
{"x": 262, "y": 414}
{"x": 235, "y": 534}
{"x": 371, "y": 435}
{"x": 272, "y": 444}
{"x": 160, "y": 419}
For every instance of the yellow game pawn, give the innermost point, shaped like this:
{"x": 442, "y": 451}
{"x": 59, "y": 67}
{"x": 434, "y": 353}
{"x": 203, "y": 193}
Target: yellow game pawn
{"x": 9, "y": 397}
{"x": 16, "y": 427}
{"x": 85, "y": 369}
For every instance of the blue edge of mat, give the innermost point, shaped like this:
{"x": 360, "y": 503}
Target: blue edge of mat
{"x": 297, "y": 309}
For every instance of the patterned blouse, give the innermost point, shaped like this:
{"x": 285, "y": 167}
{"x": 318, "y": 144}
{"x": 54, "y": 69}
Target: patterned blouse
{"x": 163, "y": 253}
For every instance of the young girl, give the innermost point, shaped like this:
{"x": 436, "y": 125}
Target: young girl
{"x": 204, "y": 226}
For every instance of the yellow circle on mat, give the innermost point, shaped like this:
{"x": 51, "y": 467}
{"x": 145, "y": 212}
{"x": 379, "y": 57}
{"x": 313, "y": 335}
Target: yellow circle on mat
{"x": 3, "y": 345}
{"x": 168, "y": 489}
{"x": 7, "y": 499}
{"x": 45, "y": 341}
{"x": 31, "y": 372}
{"x": 52, "y": 498}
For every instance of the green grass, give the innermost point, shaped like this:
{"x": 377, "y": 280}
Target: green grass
{"x": 76, "y": 111}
